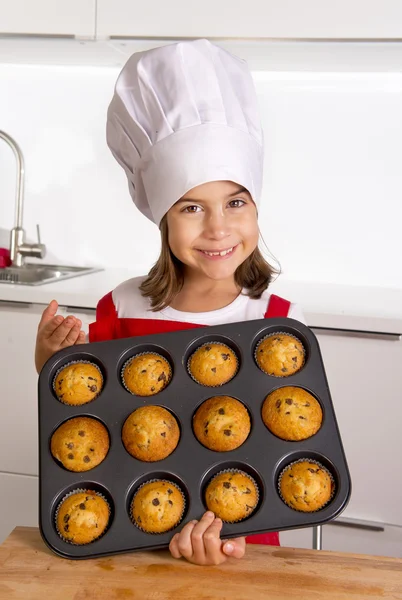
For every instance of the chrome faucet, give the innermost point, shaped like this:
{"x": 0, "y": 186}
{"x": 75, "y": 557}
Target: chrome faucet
{"x": 18, "y": 248}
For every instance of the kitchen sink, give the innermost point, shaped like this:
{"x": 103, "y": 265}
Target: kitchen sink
{"x": 38, "y": 274}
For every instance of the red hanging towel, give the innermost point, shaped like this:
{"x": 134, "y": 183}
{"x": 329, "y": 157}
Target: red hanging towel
{"x": 108, "y": 327}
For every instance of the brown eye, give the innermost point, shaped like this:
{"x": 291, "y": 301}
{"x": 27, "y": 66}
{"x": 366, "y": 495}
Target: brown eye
{"x": 237, "y": 203}
{"x": 191, "y": 209}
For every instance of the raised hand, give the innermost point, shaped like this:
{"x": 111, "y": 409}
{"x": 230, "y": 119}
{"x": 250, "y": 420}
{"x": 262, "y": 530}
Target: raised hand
{"x": 199, "y": 542}
{"x": 55, "y": 332}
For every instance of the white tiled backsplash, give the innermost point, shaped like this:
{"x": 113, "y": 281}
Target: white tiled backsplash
{"x": 332, "y": 201}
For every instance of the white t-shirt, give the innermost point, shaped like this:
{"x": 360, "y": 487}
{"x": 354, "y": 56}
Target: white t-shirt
{"x": 130, "y": 304}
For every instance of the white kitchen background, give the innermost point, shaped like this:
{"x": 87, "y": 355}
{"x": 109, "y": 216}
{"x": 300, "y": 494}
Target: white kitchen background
{"x": 332, "y": 202}
{"x": 331, "y": 213}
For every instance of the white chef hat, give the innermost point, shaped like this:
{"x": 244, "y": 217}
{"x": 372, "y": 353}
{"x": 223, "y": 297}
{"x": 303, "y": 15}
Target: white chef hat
{"x": 182, "y": 115}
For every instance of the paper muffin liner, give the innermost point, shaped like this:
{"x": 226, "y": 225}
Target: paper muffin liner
{"x": 160, "y": 481}
{"x": 254, "y": 482}
{"x": 218, "y": 384}
{"x": 315, "y": 462}
{"x": 272, "y": 335}
{"x": 78, "y": 491}
{"x": 129, "y": 360}
{"x": 76, "y": 362}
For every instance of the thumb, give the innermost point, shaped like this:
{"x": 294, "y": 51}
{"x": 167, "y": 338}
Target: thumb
{"x": 48, "y": 313}
{"x": 235, "y": 547}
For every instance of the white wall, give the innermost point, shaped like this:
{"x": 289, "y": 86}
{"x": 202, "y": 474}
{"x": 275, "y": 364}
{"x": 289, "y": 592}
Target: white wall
{"x": 332, "y": 203}
{"x": 332, "y": 208}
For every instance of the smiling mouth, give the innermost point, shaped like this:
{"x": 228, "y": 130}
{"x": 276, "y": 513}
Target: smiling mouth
{"x": 217, "y": 253}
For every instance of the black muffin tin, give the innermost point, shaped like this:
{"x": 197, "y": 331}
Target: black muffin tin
{"x": 191, "y": 465}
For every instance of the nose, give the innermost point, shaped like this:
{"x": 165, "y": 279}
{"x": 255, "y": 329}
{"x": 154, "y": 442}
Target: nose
{"x": 216, "y": 225}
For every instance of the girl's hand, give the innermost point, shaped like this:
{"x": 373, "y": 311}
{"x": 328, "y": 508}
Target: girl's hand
{"x": 199, "y": 542}
{"x": 55, "y": 333}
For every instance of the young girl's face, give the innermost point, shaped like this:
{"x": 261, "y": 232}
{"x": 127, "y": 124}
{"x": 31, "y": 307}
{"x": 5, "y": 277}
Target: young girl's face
{"x": 213, "y": 229}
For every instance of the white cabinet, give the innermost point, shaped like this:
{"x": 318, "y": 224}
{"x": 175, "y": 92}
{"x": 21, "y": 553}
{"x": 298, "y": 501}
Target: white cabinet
{"x": 18, "y": 388}
{"x": 48, "y": 17}
{"x": 365, "y": 379}
{"x": 294, "y": 19}
{"x": 18, "y": 503}
{"x": 18, "y": 384}
{"x": 364, "y": 373}
{"x": 348, "y": 539}
{"x": 255, "y": 19}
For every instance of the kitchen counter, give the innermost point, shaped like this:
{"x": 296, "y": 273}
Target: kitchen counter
{"x": 29, "y": 570}
{"x": 324, "y": 304}
{"x": 83, "y": 291}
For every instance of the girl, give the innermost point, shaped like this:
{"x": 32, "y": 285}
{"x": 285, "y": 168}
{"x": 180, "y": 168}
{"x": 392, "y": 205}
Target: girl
{"x": 184, "y": 125}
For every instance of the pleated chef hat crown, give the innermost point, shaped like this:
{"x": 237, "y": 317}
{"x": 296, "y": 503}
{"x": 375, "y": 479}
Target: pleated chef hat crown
{"x": 183, "y": 115}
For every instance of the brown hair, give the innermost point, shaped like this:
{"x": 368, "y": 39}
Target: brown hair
{"x": 165, "y": 279}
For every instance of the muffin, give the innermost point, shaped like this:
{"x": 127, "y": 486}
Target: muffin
{"x": 213, "y": 364}
{"x": 157, "y": 506}
{"x": 82, "y": 517}
{"x": 150, "y": 433}
{"x": 291, "y": 413}
{"x": 80, "y": 444}
{"x": 280, "y": 355}
{"x": 78, "y": 383}
{"x": 306, "y": 486}
{"x": 146, "y": 374}
{"x": 232, "y": 496}
{"x": 221, "y": 423}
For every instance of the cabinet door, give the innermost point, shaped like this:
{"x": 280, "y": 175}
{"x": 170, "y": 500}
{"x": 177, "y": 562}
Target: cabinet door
{"x": 18, "y": 384}
{"x": 18, "y": 503}
{"x": 387, "y": 541}
{"x": 256, "y": 19}
{"x": 48, "y": 17}
{"x": 365, "y": 380}
{"x": 18, "y": 388}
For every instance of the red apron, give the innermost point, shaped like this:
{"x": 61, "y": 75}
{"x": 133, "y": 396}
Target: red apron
{"x": 109, "y": 327}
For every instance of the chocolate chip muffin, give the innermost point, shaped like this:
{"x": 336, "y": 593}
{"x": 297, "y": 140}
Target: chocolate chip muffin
{"x": 157, "y": 506}
{"x": 213, "y": 364}
{"x": 232, "y": 496}
{"x": 80, "y": 444}
{"x": 150, "y": 433}
{"x": 291, "y": 413}
{"x": 306, "y": 486}
{"x": 82, "y": 517}
{"x": 146, "y": 374}
{"x": 78, "y": 383}
{"x": 221, "y": 423}
{"x": 280, "y": 355}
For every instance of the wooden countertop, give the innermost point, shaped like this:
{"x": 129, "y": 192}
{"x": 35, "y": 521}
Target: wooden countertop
{"x": 29, "y": 570}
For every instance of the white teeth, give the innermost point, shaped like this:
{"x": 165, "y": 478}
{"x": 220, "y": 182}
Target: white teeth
{"x": 223, "y": 253}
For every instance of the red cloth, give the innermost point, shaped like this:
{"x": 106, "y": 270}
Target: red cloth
{"x": 108, "y": 327}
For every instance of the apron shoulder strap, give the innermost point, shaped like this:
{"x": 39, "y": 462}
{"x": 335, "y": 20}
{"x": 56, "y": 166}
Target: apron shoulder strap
{"x": 277, "y": 307}
{"x": 104, "y": 326}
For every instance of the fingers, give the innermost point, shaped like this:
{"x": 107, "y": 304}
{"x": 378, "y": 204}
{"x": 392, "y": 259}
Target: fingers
{"x": 198, "y": 536}
{"x": 73, "y": 334}
{"x": 213, "y": 544}
{"x": 55, "y": 333}
{"x": 62, "y": 332}
{"x": 180, "y": 544}
{"x": 82, "y": 338}
{"x": 173, "y": 546}
{"x": 58, "y": 334}
{"x": 199, "y": 542}
{"x": 48, "y": 313}
{"x": 235, "y": 547}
